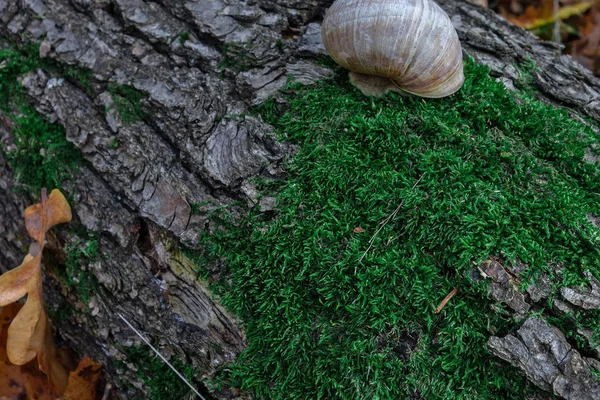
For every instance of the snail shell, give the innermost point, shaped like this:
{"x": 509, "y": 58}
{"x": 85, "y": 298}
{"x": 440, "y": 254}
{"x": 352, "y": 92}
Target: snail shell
{"x": 398, "y": 45}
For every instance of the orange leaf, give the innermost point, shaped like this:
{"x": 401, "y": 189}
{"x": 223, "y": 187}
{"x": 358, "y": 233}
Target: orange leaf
{"x": 26, "y": 332}
{"x": 43, "y": 216}
{"x": 7, "y": 313}
{"x": 543, "y": 14}
{"x": 14, "y": 283}
{"x": 29, "y": 333}
{"x": 50, "y": 363}
{"x": 83, "y": 382}
{"x": 20, "y": 382}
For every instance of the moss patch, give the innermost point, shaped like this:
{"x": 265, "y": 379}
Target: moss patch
{"x": 237, "y": 57}
{"x": 128, "y": 103}
{"x": 184, "y": 37}
{"x": 477, "y": 174}
{"x": 81, "y": 281}
{"x": 161, "y": 381}
{"x": 43, "y": 157}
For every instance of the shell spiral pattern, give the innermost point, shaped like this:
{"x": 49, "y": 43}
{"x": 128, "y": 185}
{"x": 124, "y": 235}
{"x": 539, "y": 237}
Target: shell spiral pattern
{"x": 411, "y": 43}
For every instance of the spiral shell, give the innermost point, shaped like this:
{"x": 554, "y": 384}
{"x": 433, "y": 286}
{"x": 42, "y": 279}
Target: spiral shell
{"x": 402, "y": 45}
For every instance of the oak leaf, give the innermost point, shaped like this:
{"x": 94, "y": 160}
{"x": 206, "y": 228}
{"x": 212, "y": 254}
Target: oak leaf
{"x": 29, "y": 333}
{"x": 20, "y": 381}
{"x": 28, "y": 382}
{"x": 83, "y": 382}
{"x": 51, "y": 211}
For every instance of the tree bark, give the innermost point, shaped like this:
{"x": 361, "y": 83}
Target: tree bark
{"x": 147, "y": 187}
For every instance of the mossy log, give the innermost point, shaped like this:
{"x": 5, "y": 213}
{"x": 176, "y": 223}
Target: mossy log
{"x": 157, "y": 98}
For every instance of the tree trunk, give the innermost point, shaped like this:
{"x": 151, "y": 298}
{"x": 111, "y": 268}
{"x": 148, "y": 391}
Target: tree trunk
{"x": 151, "y": 176}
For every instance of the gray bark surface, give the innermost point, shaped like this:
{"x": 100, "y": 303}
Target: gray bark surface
{"x": 200, "y": 146}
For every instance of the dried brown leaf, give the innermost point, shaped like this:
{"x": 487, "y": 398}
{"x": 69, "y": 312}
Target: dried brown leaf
{"x": 29, "y": 333}
{"x": 26, "y": 333}
{"x": 51, "y": 364}
{"x": 14, "y": 283}
{"x": 43, "y": 216}
{"x": 83, "y": 382}
{"x": 20, "y": 382}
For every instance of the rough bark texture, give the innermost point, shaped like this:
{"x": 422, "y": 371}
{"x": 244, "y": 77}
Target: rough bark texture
{"x": 202, "y": 64}
{"x": 543, "y": 353}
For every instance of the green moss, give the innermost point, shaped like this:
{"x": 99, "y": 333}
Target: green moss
{"x": 127, "y": 102}
{"x": 474, "y": 175}
{"x": 526, "y": 88}
{"x": 61, "y": 313}
{"x": 162, "y": 382}
{"x": 184, "y": 37}
{"x": 237, "y": 57}
{"x": 114, "y": 143}
{"x": 30, "y": 59}
{"x": 199, "y": 208}
{"x": 280, "y": 44}
{"x": 78, "y": 253}
{"x": 570, "y": 325}
{"x": 43, "y": 157}
{"x": 327, "y": 62}
{"x": 596, "y": 373}
{"x": 83, "y": 77}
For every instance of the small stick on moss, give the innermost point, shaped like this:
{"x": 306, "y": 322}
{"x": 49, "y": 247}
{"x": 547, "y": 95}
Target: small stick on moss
{"x": 446, "y": 299}
{"x": 385, "y": 222}
{"x": 161, "y": 357}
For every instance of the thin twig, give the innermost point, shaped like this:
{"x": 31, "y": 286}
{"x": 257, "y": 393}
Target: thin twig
{"x": 385, "y": 222}
{"x": 161, "y": 357}
{"x": 556, "y": 7}
{"x": 446, "y": 300}
{"x": 106, "y": 391}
